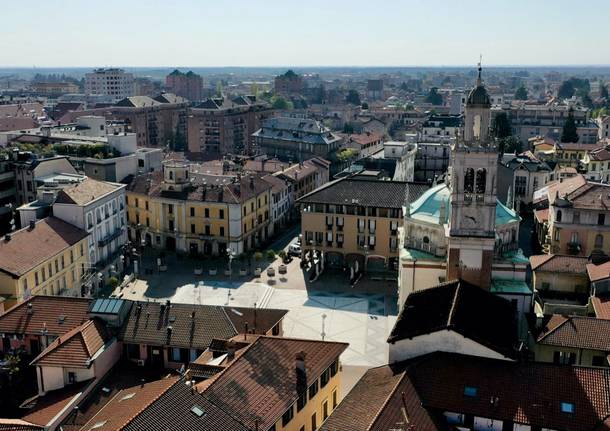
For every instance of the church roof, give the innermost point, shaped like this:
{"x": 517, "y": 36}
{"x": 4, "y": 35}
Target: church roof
{"x": 478, "y": 97}
{"x": 428, "y": 207}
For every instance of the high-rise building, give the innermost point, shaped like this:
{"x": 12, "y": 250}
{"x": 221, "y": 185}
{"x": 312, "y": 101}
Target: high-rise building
{"x": 188, "y": 85}
{"x": 109, "y": 82}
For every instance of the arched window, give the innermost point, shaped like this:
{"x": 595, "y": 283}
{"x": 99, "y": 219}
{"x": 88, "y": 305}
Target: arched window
{"x": 426, "y": 240}
{"x": 469, "y": 180}
{"x": 481, "y": 178}
{"x": 558, "y": 217}
{"x": 171, "y": 175}
{"x": 599, "y": 241}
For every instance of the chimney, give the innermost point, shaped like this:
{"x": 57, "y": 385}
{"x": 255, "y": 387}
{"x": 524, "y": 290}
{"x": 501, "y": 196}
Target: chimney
{"x": 245, "y": 331}
{"x": 32, "y": 224}
{"x": 169, "y": 331}
{"x": 30, "y": 308}
{"x": 301, "y": 372}
{"x": 230, "y": 350}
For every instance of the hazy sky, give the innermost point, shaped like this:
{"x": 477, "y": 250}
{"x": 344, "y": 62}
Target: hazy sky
{"x": 303, "y": 33}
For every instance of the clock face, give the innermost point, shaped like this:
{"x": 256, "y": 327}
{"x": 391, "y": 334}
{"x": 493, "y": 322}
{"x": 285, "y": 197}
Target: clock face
{"x": 469, "y": 218}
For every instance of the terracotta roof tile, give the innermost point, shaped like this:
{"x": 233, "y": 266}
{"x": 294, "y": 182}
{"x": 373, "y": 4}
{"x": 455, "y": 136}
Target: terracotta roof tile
{"x": 43, "y": 313}
{"x": 575, "y": 331}
{"x": 601, "y": 306}
{"x": 260, "y": 384}
{"x": 76, "y": 348}
{"x": 148, "y": 323}
{"x": 526, "y": 393}
{"x": 48, "y": 406}
{"x": 598, "y": 272}
{"x": 127, "y": 404}
{"x": 559, "y": 263}
{"x": 375, "y": 403}
{"x": 28, "y": 248}
{"x": 85, "y": 192}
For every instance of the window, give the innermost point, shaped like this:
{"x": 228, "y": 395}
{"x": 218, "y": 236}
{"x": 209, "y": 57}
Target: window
{"x": 470, "y": 391}
{"x": 71, "y": 256}
{"x": 36, "y": 278}
{"x": 313, "y": 389}
{"x": 567, "y": 407}
{"x": 192, "y": 212}
{"x": 222, "y": 231}
{"x": 171, "y": 225}
{"x": 302, "y": 401}
{"x": 170, "y": 209}
{"x": 335, "y": 401}
{"x": 314, "y": 422}
{"x": 557, "y": 234}
{"x": 287, "y": 417}
{"x": 206, "y": 213}
{"x": 334, "y": 367}
{"x": 325, "y": 410}
{"x": 207, "y": 230}
{"x": 192, "y": 228}
{"x": 598, "y": 361}
{"x": 601, "y": 219}
{"x": 599, "y": 241}
{"x": 325, "y": 377}
{"x": 221, "y": 214}
{"x": 564, "y": 358}
{"x": 558, "y": 216}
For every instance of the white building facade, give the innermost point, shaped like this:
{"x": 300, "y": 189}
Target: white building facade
{"x": 110, "y": 82}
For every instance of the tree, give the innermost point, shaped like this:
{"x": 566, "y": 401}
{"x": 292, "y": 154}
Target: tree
{"x": 348, "y": 128}
{"x": 353, "y": 97}
{"x": 603, "y": 91}
{"x": 509, "y": 144}
{"x": 569, "y": 133}
{"x": 521, "y": 93}
{"x": 500, "y": 126}
{"x": 566, "y": 90}
{"x": 433, "y": 97}
{"x": 278, "y": 102}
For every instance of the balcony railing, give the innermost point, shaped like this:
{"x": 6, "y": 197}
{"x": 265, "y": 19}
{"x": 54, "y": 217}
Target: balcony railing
{"x": 109, "y": 238}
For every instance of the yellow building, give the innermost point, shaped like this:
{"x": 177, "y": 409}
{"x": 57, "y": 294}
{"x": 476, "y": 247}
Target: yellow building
{"x": 46, "y": 258}
{"x": 198, "y": 214}
{"x": 354, "y": 223}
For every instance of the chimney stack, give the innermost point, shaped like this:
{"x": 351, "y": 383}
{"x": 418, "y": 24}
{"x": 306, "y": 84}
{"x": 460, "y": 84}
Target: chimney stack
{"x": 230, "y": 350}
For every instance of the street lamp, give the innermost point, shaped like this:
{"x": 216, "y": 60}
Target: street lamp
{"x": 231, "y": 257}
{"x": 366, "y": 254}
{"x": 324, "y": 316}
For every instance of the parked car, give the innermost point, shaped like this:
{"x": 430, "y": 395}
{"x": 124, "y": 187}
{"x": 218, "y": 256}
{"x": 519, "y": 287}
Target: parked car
{"x": 294, "y": 249}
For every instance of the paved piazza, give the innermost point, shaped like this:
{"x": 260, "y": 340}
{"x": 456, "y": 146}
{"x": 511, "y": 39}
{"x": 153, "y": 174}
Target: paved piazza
{"x": 364, "y": 320}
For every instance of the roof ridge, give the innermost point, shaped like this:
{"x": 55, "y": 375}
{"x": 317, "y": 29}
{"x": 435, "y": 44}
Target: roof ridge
{"x": 62, "y": 340}
{"x": 155, "y": 399}
{"x": 551, "y": 331}
{"x": 453, "y": 305}
{"x": 387, "y": 400}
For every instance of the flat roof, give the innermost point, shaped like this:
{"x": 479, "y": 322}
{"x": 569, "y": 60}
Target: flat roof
{"x": 510, "y": 286}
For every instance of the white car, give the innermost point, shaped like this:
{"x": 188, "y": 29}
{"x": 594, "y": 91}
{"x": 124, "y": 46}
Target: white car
{"x": 294, "y": 250}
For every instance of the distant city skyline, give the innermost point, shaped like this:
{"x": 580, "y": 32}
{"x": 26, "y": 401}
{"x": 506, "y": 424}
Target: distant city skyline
{"x": 311, "y": 34}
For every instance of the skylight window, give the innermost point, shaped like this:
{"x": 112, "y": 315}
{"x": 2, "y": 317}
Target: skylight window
{"x": 567, "y": 407}
{"x": 198, "y": 411}
{"x": 470, "y": 391}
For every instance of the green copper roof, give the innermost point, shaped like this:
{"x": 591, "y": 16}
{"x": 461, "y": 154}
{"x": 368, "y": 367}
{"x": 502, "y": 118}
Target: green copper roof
{"x": 510, "y": 286}
{"x": 427, "y": 207}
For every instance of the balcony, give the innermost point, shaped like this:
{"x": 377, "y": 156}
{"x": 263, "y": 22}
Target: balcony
{"x": 109, "y": 238}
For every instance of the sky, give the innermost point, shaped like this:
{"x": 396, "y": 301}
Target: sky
{"x": 182, "y": 33}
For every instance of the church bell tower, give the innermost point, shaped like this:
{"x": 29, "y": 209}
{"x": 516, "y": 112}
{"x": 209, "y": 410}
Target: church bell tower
{"x": 473, "y": 179}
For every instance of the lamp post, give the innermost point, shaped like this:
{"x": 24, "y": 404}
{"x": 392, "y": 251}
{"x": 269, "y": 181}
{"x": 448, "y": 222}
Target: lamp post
{"x": 366, "y": 255}
{"x": 324, "y": 316}
{"x": 231, "y": 257}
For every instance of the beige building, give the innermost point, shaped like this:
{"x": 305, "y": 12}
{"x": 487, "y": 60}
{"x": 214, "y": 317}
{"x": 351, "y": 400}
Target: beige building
{"x": 196, "y": 213}
{"x": 571, "y": 340}
{"x": 48, "y": 257}
{"x": 354, "y": 223}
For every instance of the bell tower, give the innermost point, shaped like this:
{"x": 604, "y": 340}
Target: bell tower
{"x": 473, "y": 179}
